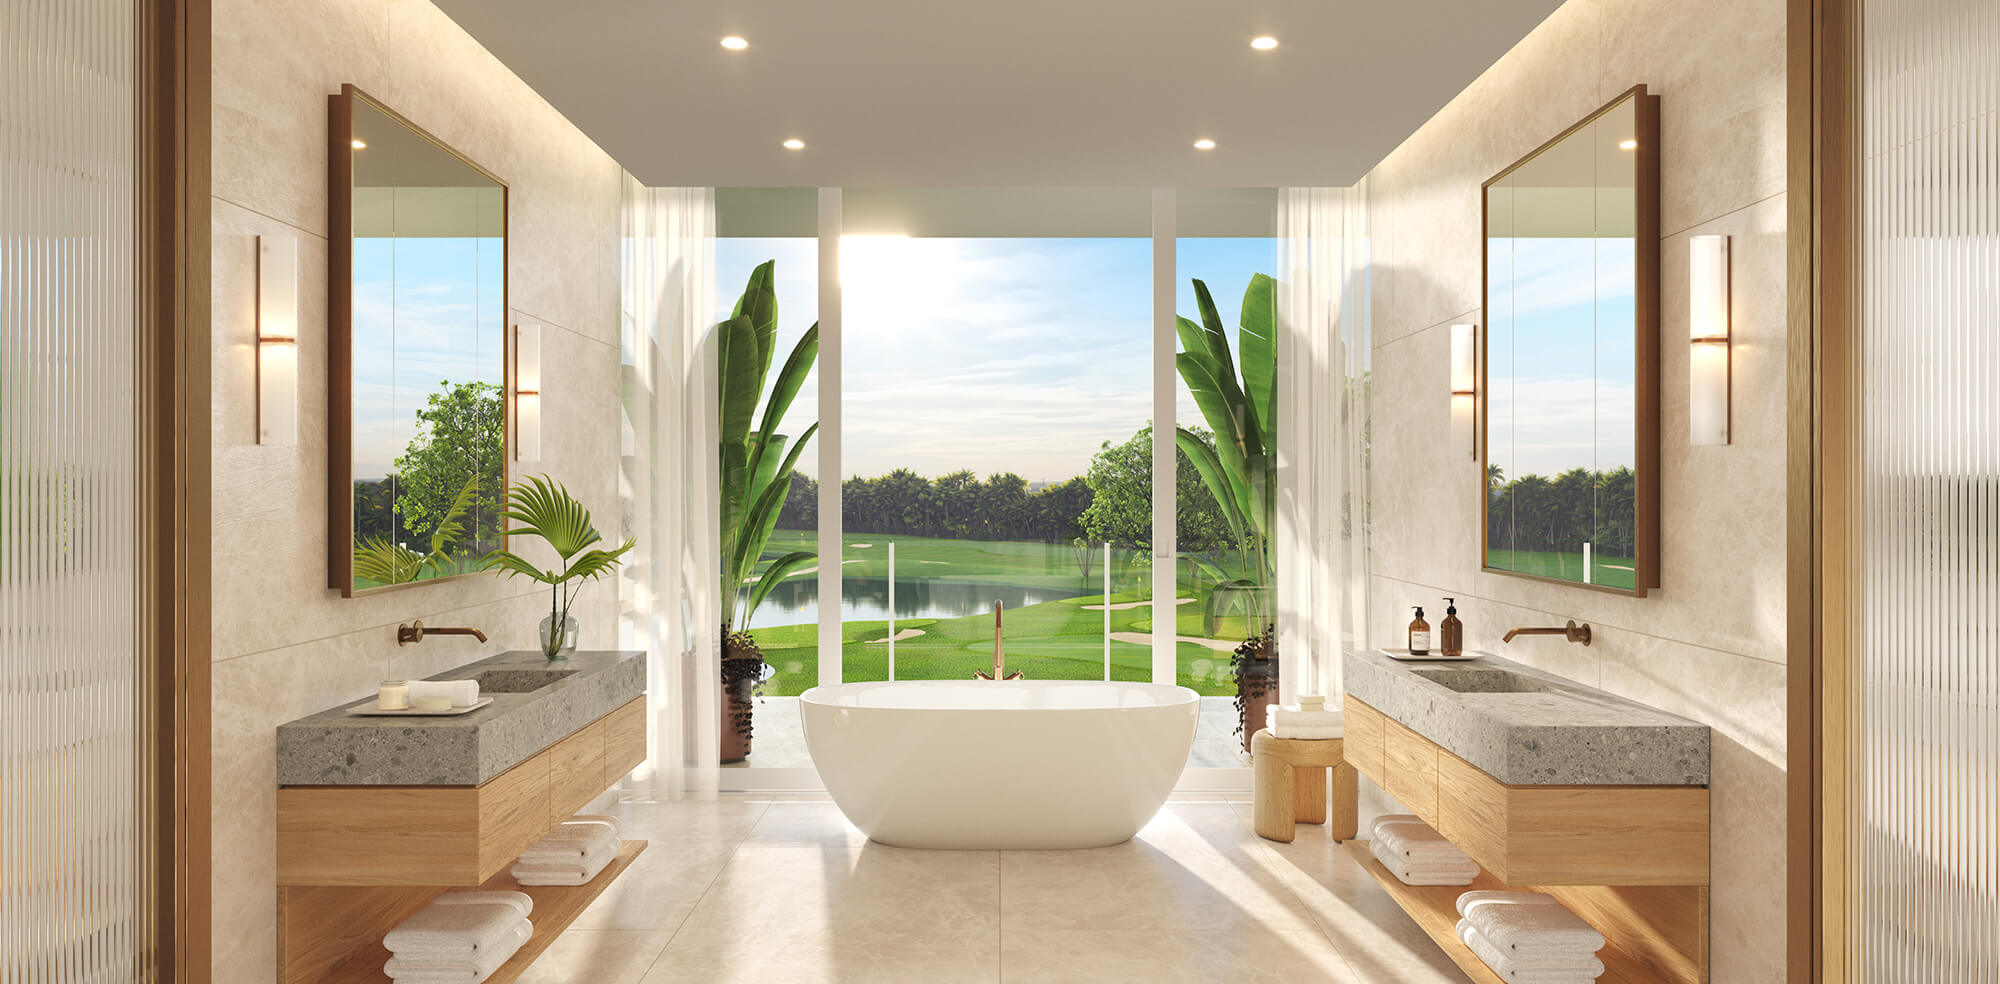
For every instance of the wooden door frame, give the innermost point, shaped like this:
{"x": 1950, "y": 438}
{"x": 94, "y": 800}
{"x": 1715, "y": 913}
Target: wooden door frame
{"x": 171, "y": 399}
{"x": 1822, "y": 371}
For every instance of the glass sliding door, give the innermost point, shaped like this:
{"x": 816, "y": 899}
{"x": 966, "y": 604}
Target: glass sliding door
{"x": 996, "y": 378}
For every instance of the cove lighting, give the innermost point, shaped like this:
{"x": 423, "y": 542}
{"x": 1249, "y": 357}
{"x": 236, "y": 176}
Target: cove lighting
{"x": 735, "y": 43}
{"x": 1264, "y": 43}
{"x": 1204, "y": 144}
{"x": 277, "y": 340}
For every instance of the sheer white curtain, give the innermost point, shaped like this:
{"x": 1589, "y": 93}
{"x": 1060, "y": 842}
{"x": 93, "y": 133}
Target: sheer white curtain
{"x": 668, "y": 592}
{"x": 1323, "y": 407}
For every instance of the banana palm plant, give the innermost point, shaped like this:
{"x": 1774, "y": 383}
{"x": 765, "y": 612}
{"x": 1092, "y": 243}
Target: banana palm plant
{"x": 1240, "y": 470}
{"x": 382, "y": 560}
{"x": 544, "y": 508}
{"x": 757, "y": 464}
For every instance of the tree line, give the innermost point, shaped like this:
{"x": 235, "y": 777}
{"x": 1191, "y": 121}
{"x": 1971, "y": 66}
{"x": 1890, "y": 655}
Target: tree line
{"x": 1533, "y": 512}
{"x": 1110, "y": 503}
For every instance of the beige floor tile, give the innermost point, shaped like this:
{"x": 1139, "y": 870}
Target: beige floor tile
{"x": 1185, "y": 954}
{"x": 739, "y": 959}
{"x": 597, "y": 956}
{"x": 1201, "y": 885}
{"x": 684, "y": 821}
{"x": 1378, "y": 939}
{"x": 810, "y": 896}
{"x": 804, "y": 824}
{"x": 660, "y": 888}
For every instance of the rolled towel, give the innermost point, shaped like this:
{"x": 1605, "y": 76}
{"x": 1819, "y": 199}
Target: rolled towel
{"x": 1295, "y": 733}
{"x": 461, "y": 692}
{"x": 421, "y": 968}
{"x": 1534, "y": 929}
{"x": 1582, "y": 969}
{"x": 518, "y": 900}
{"x": 454, "y": 931}
{"x": 1467, "y": 901}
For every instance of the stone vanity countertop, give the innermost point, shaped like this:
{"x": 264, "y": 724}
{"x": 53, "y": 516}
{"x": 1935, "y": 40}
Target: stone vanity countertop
{"x": 335, "y": 748}
{"x": 1546, "y": 731}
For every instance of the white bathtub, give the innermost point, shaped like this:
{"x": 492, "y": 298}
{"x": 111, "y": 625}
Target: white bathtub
{"x": 1013, "y": 765}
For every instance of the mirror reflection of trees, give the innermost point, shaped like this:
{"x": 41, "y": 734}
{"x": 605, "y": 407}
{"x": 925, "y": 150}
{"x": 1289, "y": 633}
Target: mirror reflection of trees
{"x": 1533, "y": 514}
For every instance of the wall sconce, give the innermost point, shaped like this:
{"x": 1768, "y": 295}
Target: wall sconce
{"x": 277, "y": 340}
{"x": 527, "y": 393}
{"x": 1708, "y": 337}
{"x": 1465, "y": 389}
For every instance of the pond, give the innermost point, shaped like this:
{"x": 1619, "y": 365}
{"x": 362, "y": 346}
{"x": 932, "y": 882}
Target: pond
{"x": 867, "y": 599}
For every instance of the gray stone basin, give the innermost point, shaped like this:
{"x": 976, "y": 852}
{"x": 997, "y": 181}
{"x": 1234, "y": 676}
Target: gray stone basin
{"x": 1527, "y": 727}
{"x": 518, "y": 681}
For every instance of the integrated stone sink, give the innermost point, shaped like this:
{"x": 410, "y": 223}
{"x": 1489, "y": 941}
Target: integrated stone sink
{"x": 1527, "y": 727}
{"x": 1485, "y": 681}
{"x": 518, "y": 681}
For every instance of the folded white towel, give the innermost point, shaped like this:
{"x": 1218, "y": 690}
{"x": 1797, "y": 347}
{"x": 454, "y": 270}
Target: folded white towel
{"x": 461, "y": 692}
{"x": 568, "y": 842}
{"x": 1577, "y": 970}
{"x": 1278, "y": 715}
{"x": 1467, "y": 901}
{"x": 422, "y": 967}
{"x": 1534, "y": 929}
{"x": 454, "y": 930}
{"x": 1417, "y": 842}
{"x": 1295, "y": 733}
{"x": 574, "y": 871}
{"x": 1393, "y": 818}
{"x": 1410, "y": 874}
{"x": 518, "y": 900}
{"x": 617, "y": 828}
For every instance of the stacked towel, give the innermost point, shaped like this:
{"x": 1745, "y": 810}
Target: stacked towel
{"x": 1529, "y": 937}
{"x": 571, "y": 854}
{"x": 1418, "y": 855}
{"x": 463, "y": 693}
{"x": 1307, "y": 720}
{"x": 460, "y": 938}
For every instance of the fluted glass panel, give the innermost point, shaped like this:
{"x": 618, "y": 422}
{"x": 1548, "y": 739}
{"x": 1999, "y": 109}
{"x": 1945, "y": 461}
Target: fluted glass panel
{"x": 75, "y": 857}
{"x": 1929, "y": 771}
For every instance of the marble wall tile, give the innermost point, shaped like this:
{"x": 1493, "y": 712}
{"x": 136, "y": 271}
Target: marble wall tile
{"x": 285, "y": 644}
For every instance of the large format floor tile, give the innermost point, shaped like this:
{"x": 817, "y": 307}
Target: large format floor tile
{"x": 773, "y": 893}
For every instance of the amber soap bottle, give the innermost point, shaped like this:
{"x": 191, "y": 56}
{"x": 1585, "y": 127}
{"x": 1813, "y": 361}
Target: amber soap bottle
{"x": 1451, "y": 631}
{"x": 1420, "y": 635}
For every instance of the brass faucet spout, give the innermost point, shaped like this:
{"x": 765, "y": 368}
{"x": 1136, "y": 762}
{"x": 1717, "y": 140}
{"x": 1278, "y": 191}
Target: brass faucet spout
{"x": 415, "y": 632}
{"x": 1570, "y": 631}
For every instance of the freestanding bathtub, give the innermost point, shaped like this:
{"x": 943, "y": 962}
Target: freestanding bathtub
{"x": 1008, "y": 765}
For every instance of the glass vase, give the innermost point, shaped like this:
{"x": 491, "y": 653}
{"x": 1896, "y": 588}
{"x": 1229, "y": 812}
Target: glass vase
{"x": 558, "y": 645}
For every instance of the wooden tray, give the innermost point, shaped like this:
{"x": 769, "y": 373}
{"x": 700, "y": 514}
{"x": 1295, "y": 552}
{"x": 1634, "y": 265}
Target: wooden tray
{"x": 370, "y": 710}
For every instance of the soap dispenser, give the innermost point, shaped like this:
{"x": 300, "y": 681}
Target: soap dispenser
{"x": 1451, "y": 631}
{"x": 1420, "y": 634}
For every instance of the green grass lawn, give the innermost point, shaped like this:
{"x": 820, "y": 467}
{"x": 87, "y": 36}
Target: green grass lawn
{"x": 1057, "y": 640}
{"x": 1612, "y": 572}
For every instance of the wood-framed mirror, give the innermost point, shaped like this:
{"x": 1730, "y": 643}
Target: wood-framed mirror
{"x": 419, "y": 371}
{"x": 1570, "y": 352}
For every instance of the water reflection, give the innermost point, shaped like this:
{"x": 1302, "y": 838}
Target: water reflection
{"x": 867, "y": 599}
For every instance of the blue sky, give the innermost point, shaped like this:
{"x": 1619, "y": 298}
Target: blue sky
{"x": 425, "y": 310}
{"x": 1561, "y": 355}
{"x": 1019, "y": 355}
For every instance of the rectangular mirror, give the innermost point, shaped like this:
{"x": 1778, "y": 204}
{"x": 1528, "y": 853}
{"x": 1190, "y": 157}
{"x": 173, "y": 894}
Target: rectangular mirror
{"x": 418, "y": 362}
{"x": 1571, "y": 395}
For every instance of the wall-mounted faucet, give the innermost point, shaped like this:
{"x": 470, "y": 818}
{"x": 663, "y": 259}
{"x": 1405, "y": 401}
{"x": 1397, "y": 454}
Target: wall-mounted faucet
{"x": 999, "y": 657}
{"x": 1569, "y": 630}
{"x": 415, "y": 632}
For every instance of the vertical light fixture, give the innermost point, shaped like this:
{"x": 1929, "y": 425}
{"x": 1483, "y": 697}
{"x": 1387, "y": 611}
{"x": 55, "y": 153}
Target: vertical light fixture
{"x": 1708, "y": 337}
{"x": 527, "y": 393}
{"x": 1464, "y": 390}
{"x": 277, "y": 340}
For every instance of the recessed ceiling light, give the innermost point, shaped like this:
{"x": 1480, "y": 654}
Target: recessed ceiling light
{"x": 358, "y": 144}
{"x": 795, "y": 144}
{"x": 1628, "y": 145}
{"x": 735, "y": 43}
{"x": 1264, "y": 43}
{"x": 1204, "y": 144}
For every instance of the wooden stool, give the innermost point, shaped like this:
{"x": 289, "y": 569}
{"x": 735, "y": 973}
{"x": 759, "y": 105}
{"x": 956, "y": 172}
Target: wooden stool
{"x": 1291, "y": 782}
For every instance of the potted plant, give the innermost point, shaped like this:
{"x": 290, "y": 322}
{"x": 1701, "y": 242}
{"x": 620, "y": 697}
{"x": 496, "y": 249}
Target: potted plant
{"x": 756, "y": 475}
{"x": 545, "y": 509}
{"x": 1239, "y": 471}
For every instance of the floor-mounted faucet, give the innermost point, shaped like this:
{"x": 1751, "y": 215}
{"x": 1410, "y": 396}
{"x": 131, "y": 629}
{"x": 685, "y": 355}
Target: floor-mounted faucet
{"x": 999, "y": 657}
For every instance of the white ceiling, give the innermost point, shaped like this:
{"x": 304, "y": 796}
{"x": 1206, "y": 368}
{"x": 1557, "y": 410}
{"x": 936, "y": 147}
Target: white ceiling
{"x": 920, "y": 93}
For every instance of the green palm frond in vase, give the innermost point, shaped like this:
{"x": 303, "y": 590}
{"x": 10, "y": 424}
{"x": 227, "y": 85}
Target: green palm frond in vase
{"x": 543, "y": 508}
